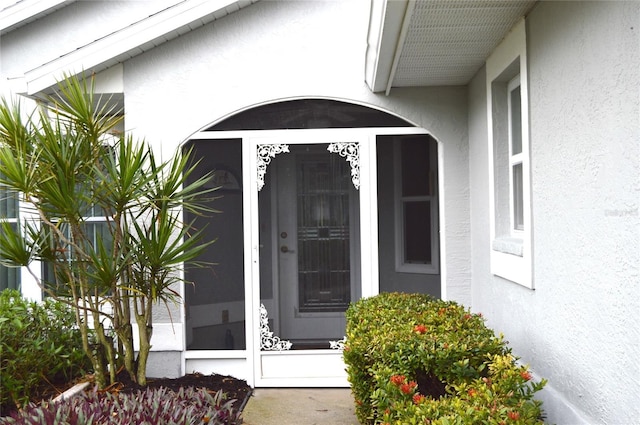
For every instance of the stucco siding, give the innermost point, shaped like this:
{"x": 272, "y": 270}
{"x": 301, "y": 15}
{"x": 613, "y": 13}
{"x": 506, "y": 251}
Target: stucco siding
{"x": 278, "y": 50}
{"x": 578, "y": 328}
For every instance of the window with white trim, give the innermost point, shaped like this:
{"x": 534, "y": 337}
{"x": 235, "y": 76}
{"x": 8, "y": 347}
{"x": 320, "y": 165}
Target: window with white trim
{"x": 416, "y": 204}
{"x": 509, "y": 166}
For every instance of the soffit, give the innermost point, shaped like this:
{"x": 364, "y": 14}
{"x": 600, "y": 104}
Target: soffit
{"x": 435, "y": 42}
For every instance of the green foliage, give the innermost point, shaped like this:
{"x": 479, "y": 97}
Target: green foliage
{"x": 413, "y": 359}
{"x": 109, "y": 219}
{"x": 39, "y": 342}
{"x": 152, "y": 406}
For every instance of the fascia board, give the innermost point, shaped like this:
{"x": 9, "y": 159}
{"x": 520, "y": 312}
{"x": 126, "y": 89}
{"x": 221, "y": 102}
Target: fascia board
{"x": 126, "y": 42}
{"x": 25, "y": 10}
{"x": 385, "y": 26}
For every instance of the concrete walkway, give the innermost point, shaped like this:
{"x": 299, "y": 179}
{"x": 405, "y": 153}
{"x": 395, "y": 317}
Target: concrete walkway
{"x": 300, "y": 406}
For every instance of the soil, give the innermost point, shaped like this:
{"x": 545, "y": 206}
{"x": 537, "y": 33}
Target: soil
{"x": 234, "y": 388}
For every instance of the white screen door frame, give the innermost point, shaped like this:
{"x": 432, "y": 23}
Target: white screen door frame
{"x": 316, "y": 367}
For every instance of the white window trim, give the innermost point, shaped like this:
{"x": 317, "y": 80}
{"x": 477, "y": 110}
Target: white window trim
{"x": 401, "y": 266}
{"x": 511, "y": 254}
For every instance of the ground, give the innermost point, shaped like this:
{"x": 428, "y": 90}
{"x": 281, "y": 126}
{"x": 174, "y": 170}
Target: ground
{"x": 233, "y": 387}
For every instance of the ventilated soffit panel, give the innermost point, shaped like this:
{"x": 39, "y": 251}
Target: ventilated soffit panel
{"x": 448, "y": 41}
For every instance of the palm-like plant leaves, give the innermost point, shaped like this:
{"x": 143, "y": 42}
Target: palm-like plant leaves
{"x": 64, "y": 170}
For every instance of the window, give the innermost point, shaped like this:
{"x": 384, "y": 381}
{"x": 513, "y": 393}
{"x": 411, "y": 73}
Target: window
{"x": 95, "y": 227}
{"x": 516, "y": 155}
{"x": 416, "y": 206}
{"x": 9, "y": 276}
{"x": 97, "y": 231}
{"x": 508, "y": 138}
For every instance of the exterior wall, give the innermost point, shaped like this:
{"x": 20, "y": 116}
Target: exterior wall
{"x": 271, "y": 50}
{"x": 578, "y": 327}
{"x": 277, "y": 50}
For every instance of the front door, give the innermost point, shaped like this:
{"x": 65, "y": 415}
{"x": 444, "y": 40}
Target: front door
{"x": 309, "y": 259}
{"x": 315, "y": 206}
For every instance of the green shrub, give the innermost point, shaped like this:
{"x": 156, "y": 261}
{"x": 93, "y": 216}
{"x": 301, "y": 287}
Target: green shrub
{"x": 38, "y": 344}
{"x": 413, "y": 359}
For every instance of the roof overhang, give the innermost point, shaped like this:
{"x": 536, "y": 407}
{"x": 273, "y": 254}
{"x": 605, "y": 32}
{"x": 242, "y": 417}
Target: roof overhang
{"x": 415, "y": 43}
{"x": 20, "y": 12}
{"x": 127, "y": 42}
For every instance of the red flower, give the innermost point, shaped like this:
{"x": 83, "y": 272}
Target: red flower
{"x": 514, "y": 415}
{"x": 409, "y": 387}
{"x": 420, "y": 329}
{"x": 472, "y": 392}
{"x": 467, "y": 316}
{"x": 525, "y": 375}
{"x": 398, "y": 379}
{"x": 418, "y": 398}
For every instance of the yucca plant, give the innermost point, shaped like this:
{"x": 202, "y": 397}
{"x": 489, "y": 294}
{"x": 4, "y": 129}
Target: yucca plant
{"x": 70, "y": 165}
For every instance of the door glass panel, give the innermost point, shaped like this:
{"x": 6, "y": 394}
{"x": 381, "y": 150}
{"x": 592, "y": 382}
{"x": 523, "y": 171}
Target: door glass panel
{"x": 323, "y": 234}
{"x": 308, "y": 259}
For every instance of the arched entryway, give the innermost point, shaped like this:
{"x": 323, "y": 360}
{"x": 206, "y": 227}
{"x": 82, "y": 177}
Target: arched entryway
{"x": 322, "y": 202}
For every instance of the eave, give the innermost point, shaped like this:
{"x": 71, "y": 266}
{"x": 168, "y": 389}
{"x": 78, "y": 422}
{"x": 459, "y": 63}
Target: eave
{"x": 128, "y": 42}
{"x": 434, "y": 42}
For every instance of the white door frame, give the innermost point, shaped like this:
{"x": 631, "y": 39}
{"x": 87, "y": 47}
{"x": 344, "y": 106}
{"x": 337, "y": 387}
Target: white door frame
{"x": 306, "y": 367}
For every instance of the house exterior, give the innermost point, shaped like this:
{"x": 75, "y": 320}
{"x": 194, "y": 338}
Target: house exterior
{"x": 482, "y": 152}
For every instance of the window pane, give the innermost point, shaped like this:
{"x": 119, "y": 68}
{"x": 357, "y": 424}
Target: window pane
{"x": 417, "y": 219}
{"x": 8, "y": 203}
{"x": 10, "y": 276}
{"x": 516, "y": 121}
{"x": 415, "y": 166}
{"x": 518, "y": 198}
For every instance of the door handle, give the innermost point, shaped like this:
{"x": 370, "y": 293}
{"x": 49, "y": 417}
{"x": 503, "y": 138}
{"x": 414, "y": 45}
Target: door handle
{"x": 285, "y": 250}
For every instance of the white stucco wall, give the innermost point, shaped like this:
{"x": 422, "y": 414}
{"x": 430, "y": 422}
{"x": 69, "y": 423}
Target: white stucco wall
{"x": 270, "y": 50}
{"x": 277, "y": 50}
{"x": 578, "y": 328}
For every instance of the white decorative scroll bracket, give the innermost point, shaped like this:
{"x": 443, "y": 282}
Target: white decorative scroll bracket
{"x": 338, "y": 345}
{"x": 269, "y": 342}
{"x": 265, "y": 154}
{"x": 350, "y": 151}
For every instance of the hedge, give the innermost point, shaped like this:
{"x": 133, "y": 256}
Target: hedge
{"x": 412, "y": 359}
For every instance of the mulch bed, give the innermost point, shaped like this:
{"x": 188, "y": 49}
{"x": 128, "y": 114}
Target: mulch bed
{"x": 234, "y": 388}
